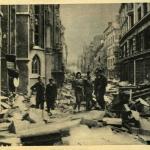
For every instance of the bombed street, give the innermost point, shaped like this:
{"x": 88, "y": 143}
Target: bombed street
{"x": 75, "y": 74}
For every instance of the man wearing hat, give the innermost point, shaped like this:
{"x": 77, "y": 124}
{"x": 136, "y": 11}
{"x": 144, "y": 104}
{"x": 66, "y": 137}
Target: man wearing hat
{"x": 40, "y": 91}
{"x": 100, "y": 84}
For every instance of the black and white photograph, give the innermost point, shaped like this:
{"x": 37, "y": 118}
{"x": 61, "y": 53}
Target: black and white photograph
{"x": 75, "y": 74}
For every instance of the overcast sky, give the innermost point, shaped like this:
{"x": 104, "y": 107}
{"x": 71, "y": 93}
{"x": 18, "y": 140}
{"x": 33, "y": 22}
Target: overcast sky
{"x": 83, "y": 22}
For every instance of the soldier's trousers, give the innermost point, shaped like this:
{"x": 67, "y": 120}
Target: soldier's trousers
{"x": 79, "y": 97}
{"x": 88, "y": 99}
{"x": 40, "y": 102}
{"x": 100, "y": 100}
{"x": 50, "y": 104}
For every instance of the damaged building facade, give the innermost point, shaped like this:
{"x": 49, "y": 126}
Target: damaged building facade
{"x": 32, "y": 35}
{"x": 134, "y": 53}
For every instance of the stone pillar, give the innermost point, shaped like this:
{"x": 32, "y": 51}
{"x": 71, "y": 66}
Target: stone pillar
{"x": 135, "y": 13}
{"x": 128, "y": 48}
{"x": 134, "y": 75}
{"x": 134, "y": 44}
{"x": 23, "y": 46}
{"x": 134, "y": 51}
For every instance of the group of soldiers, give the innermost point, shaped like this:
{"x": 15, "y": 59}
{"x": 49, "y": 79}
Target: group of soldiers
{"x": 86, "y": 89}
{"x": 49, "y": 94}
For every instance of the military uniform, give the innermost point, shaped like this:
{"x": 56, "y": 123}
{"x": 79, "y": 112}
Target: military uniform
{"x": 88, "y": 90}
{"x": 79, "y": 92}
{"x": 51, "y": 95}
{"x": 100, "y": 89}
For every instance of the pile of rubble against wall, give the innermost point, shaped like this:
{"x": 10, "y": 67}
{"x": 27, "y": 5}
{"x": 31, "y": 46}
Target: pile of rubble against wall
{"x": 132, "y": 104}
{"x": 141, "y": 90}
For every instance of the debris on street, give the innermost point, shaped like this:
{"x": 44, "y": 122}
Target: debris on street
{"x": 122, "y": 119}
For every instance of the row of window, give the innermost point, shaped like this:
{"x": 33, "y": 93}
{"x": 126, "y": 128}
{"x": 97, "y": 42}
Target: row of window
{"x": 137, "y": 44}
{"x": 140, "y": 14}
{"x": 53, "y": 31}
{"x": 127, "y": 21}
{"x": 142, "y": 71}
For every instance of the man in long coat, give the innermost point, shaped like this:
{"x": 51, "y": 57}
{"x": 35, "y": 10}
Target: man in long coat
{"x": 40, "y": 92}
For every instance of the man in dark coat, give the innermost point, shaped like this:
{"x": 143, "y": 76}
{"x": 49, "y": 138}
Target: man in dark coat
{"x": 88, "y": 90}
{"x": 40, "y": 92}
{"x": 100, "y": 84}
{"x": 51, "y": 95}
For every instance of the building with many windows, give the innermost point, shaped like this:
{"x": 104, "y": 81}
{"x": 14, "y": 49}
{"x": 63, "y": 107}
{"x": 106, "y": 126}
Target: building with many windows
{"x": 31, "y": 34}
{"x": 111, "y": 44}
{"x": 134, "y": 53}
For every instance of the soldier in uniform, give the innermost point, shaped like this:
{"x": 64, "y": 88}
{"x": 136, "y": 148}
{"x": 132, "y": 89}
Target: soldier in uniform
{"x": 88, "y": 90}
{"x": 79, "y": 90}
{"x": 100, "y": 84}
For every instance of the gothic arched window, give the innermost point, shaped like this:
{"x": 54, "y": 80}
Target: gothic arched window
{"x": 36, "y": 65}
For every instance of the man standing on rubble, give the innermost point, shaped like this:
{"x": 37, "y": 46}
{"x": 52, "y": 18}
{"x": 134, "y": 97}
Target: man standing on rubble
{"x": 51, "y": 95}
{"x": 100, "y": 84}
{"x": 88, "y": 90}
{"x": 40, "y": 92}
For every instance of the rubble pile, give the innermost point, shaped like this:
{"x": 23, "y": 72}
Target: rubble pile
{"x": 66, "y": 99}
{"x": 134, "y": 112}
{"x": 19, "y": 115}
{"x": 22, "y": 124}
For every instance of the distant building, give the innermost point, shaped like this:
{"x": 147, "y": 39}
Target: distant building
{"x": 32, "y": 34}
{"x": 88, "y": 58}
{"x": 134, "y": 53}
{"x": 111, "y": 44}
